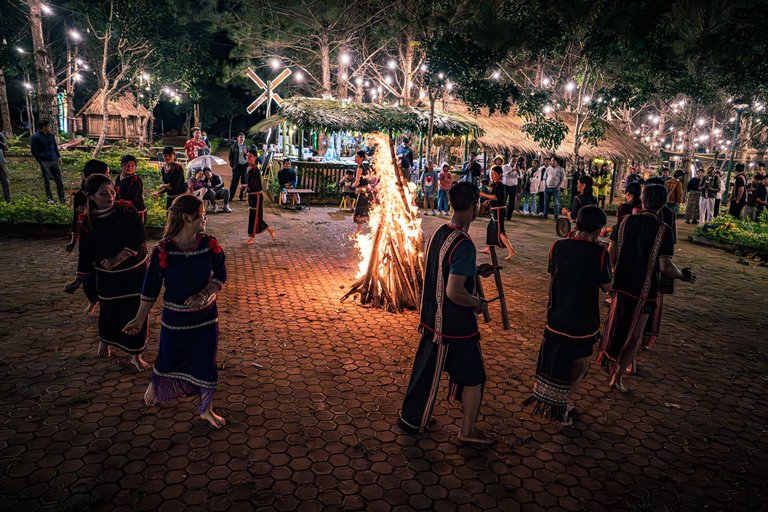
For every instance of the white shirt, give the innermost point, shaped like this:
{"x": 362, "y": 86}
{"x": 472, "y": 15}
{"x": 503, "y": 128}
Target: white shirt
{"x": 554, "y": 177}
{"x": 510, "y": 175}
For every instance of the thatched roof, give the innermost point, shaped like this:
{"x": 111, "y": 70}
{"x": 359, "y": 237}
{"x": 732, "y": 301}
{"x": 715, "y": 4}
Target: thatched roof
{"x": 331, "y": 115}
{"x": 123, "y": 106}
{"x": 506, "y": 132}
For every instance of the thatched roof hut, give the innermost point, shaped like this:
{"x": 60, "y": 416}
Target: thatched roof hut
{"x": 126, "y": 117}
{"x": 505, "y": 132}
{"x": 334, "y": 116}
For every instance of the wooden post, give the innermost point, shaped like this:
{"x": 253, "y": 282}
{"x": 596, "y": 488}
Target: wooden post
{"x": 301, "y": 143}
{"x": 499, "y": 288}
{"x": 481, "y": 294}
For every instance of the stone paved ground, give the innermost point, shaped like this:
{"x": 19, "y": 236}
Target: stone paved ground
{"x": 311, "y": 388}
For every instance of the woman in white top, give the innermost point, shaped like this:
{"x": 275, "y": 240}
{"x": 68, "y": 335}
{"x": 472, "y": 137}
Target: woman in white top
{"x": 719, "y": 195}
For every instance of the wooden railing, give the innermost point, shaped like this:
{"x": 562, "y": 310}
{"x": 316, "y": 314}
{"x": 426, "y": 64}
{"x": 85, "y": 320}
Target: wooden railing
{"x": 319, "y": 176}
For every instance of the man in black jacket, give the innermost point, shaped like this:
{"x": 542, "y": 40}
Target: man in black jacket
{"x": 215, "y": 184}
{"x": 237, "y": 162}
{"x": 45, "y": 150}
{"x": 286, "y": 177}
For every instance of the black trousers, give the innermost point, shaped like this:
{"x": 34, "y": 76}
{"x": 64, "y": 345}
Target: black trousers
{"x": 52, "y": 171}
{"x": 511, "y": 191}
{"x": 541, "y": 202}
{"x": 238, "y": 178}
{"x": 717, "y": 207}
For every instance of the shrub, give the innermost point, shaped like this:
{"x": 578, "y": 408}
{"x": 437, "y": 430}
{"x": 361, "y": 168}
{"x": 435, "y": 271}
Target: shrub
{"x": 29, "y": 209}
{"x": 745, "y": 234}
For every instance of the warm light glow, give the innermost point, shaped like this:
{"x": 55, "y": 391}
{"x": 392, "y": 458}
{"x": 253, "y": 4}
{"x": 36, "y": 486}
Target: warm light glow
{"x": 400, "y": 220}
{"x": 392, "y": 64}
{"x": 422, "y": 94}
{"x": 388, "y": 79}
{"x": 548, "y": 109}
{"x": 496, "y": 74}
{"x": 423, "y": 67}
{"x": 85, "y": 66}
{"x": 28, "y": 86}
{"x": 46, "y": 9}
{"x": 587, "y": 99}
{"x": 77, "y": 77}
{"x": 75, "y": 35}
{"x": 570, "y": 86}
{"x": 448, "y": 85}
{"x": 274, "y": 63}
{"x": 345, "y": 59}
{"x": 732, "y": 120}
{"x": 546, "y": 82}
{"x": 145, "y": 76}
{"x": 440, "y": 76}
{"x": 20, "y": 49}
{"x": 358, "y": 81}
{"x": 344, "y": 76}
{"x": 298, "y": 76}
{"x": 701, "y": 121}
{"x": 367, "y": 83}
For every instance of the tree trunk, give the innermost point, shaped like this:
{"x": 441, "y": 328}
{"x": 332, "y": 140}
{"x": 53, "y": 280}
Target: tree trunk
{"x": 196, "y": 115}
{"x": 151, "y": 134}
{"x": 342, "y": 78}
{"x": 431, "y": 125}
{"x": 46, "y": 80}
{"x": 688, "y": 142}
{"x": 104, "y": 116}
{"x": 325, "y": 62}
{"x": 407, "y": 64}
{"x": 5, "y": 112}
{"x": 580, "y": 117}
{"x": 229, "y": 133}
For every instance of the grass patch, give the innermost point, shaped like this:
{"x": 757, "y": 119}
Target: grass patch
{"x": 747, "y": 235}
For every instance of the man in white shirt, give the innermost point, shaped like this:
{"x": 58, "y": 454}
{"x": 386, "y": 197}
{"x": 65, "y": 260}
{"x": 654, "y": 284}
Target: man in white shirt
{"x": 554, "y": 177}
{"x": 510, "y": 177}
{"x": 530, "y": 189}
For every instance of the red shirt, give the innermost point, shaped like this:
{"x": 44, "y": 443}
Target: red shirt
{"x": 192, "y": 146}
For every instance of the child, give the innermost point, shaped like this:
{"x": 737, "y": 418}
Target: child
{"x": 444, "y": 183}
{"x": 428, "y": 186}
{"x": 129, "y": 187}
{"x": 173, "y": 177}
{"x": 346, "y": 184}
{"x": 580, "y": 268}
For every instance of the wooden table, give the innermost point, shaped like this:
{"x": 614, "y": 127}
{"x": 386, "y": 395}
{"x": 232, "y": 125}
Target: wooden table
{"x": 301, "y": 192}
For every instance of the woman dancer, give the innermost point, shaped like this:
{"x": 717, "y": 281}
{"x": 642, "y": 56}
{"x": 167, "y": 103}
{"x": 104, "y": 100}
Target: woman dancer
{"x": 496, "y": 235}
{"x": 362, "y": 205}
{"x": 191, "y": 265}
{"x": 173, "y": 177}
{"x": 252, "y": 184}
{"x": 79, "y": 202}
{"x": 112, "y": 246}
{"x": 580, "y": 268}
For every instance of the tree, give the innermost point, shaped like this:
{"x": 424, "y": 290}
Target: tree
{"x": 5, "y": 111}
{"x": 46, "y": 78}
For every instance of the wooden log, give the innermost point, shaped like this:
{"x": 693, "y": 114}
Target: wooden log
{"x": 499, "y": 288}
{"x": 481, "y": 294}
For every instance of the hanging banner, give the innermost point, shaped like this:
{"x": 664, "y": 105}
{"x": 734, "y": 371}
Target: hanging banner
{"x": 62, "y": 107}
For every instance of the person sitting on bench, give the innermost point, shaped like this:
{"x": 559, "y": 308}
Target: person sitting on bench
{"x": 215, "y": 184}
{"x": 286, "y": 177}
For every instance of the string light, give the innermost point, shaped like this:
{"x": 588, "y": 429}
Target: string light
{"x": 570, "y": 86}
{"x": 20, "y": 49}
{"x": 74, "y": 34}
{"x": 28, "y": 86}
{"x": 345, "y": 59}
{"x": 358, "y": 81}
{"x": 423, "y": 67}
{"x": 496, "y": 74}
{"x": 548, "y": 109}
{"x": 448, "y": 85}
{"x": 344, "y": 76}
{"x": 46, "y": 9}
{"x": 545, "y": 82}
{"x": 392, "y": 64}
{"x": 587, "y": 99}
{"x": 700, "y": 121}
{"x": 274, "y": 62}
{"x": 298, "y": 76}
{"x": 440, "y": 76}
{"x": 388, "y": 79}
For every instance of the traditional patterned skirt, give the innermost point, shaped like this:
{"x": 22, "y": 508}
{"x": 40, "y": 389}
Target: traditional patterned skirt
{"x": 186, "y": 360}
{"x": 618, "y": 328}
{"x": 495, "y": 227}
{"x": 461, "y": 359}
{"x": 692, "y": 206}
{"x": 119, "y": 293}
{"x": 654, "y": 324}
{"x": 554, "y": 370}
{"x": 256, "y": 222}
{"x": 362, "y": 206}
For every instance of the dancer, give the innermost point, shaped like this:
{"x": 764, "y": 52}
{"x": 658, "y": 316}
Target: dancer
{"x": 580, "y": 268}
{"x": 79, "y": 204}
{"x": 191, "y": 266}
{"x": 583, "y": 198}
{"x": 362, "y": 205}
{"x": 631, "y": 202}
{"x": 129, "y": 187}
{"x": 252, "y": 185}
{"x": 495, "y": 234}
{"x": 641, "y": 250}
{"x": 172, "y": 174}
{"x": 112, "y": 245}
{"x": 450, "y": 339}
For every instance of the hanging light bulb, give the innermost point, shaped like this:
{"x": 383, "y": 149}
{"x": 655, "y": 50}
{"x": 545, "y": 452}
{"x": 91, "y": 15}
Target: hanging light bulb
{"x": 392, "y": 64}
{"x": 345, "y": 59}
{"x": 570, "y": 86}
{"x": 496, "y": 74}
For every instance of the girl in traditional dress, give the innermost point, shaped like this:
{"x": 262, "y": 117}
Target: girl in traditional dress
{"x": 129, "y": 186}
{"x": 112, "y": 246}
{"x": 252, "y": 185}
{"x": 361, "y": 185}
{"x": 79, "y": 203}
{"x": 580, "y": 268}
{"x": 191, "y": 265}
{"x": 496, "y": 235}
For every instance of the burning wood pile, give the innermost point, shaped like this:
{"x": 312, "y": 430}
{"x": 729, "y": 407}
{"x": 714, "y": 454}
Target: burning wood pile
{"x": 391, "y": 271}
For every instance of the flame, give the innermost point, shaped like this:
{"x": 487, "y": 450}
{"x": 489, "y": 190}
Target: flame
{"x": 399, "y": 219}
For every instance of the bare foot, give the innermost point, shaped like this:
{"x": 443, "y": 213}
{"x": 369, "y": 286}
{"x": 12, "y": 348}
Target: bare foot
{"x": 619, "y": 387}
{"x": 90, "y": 309}
{"x": 150, "y": 397}
{"x": 477, "y": 437}
{"x": 271, "y": 233}
{"x": 510, "y": 255}
{"x": 103, "y": 351}
{"x": 139, "y": 363}
{"x": 487, "y": 250}
{"x": 250, "y": 240}
{"x": 214, "y": 419}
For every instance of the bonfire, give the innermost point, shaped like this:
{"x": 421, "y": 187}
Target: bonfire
{"x": 391, "y": 270}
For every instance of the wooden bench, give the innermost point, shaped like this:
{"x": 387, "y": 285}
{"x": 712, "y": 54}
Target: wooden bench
{"x": 299, "y": 192}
